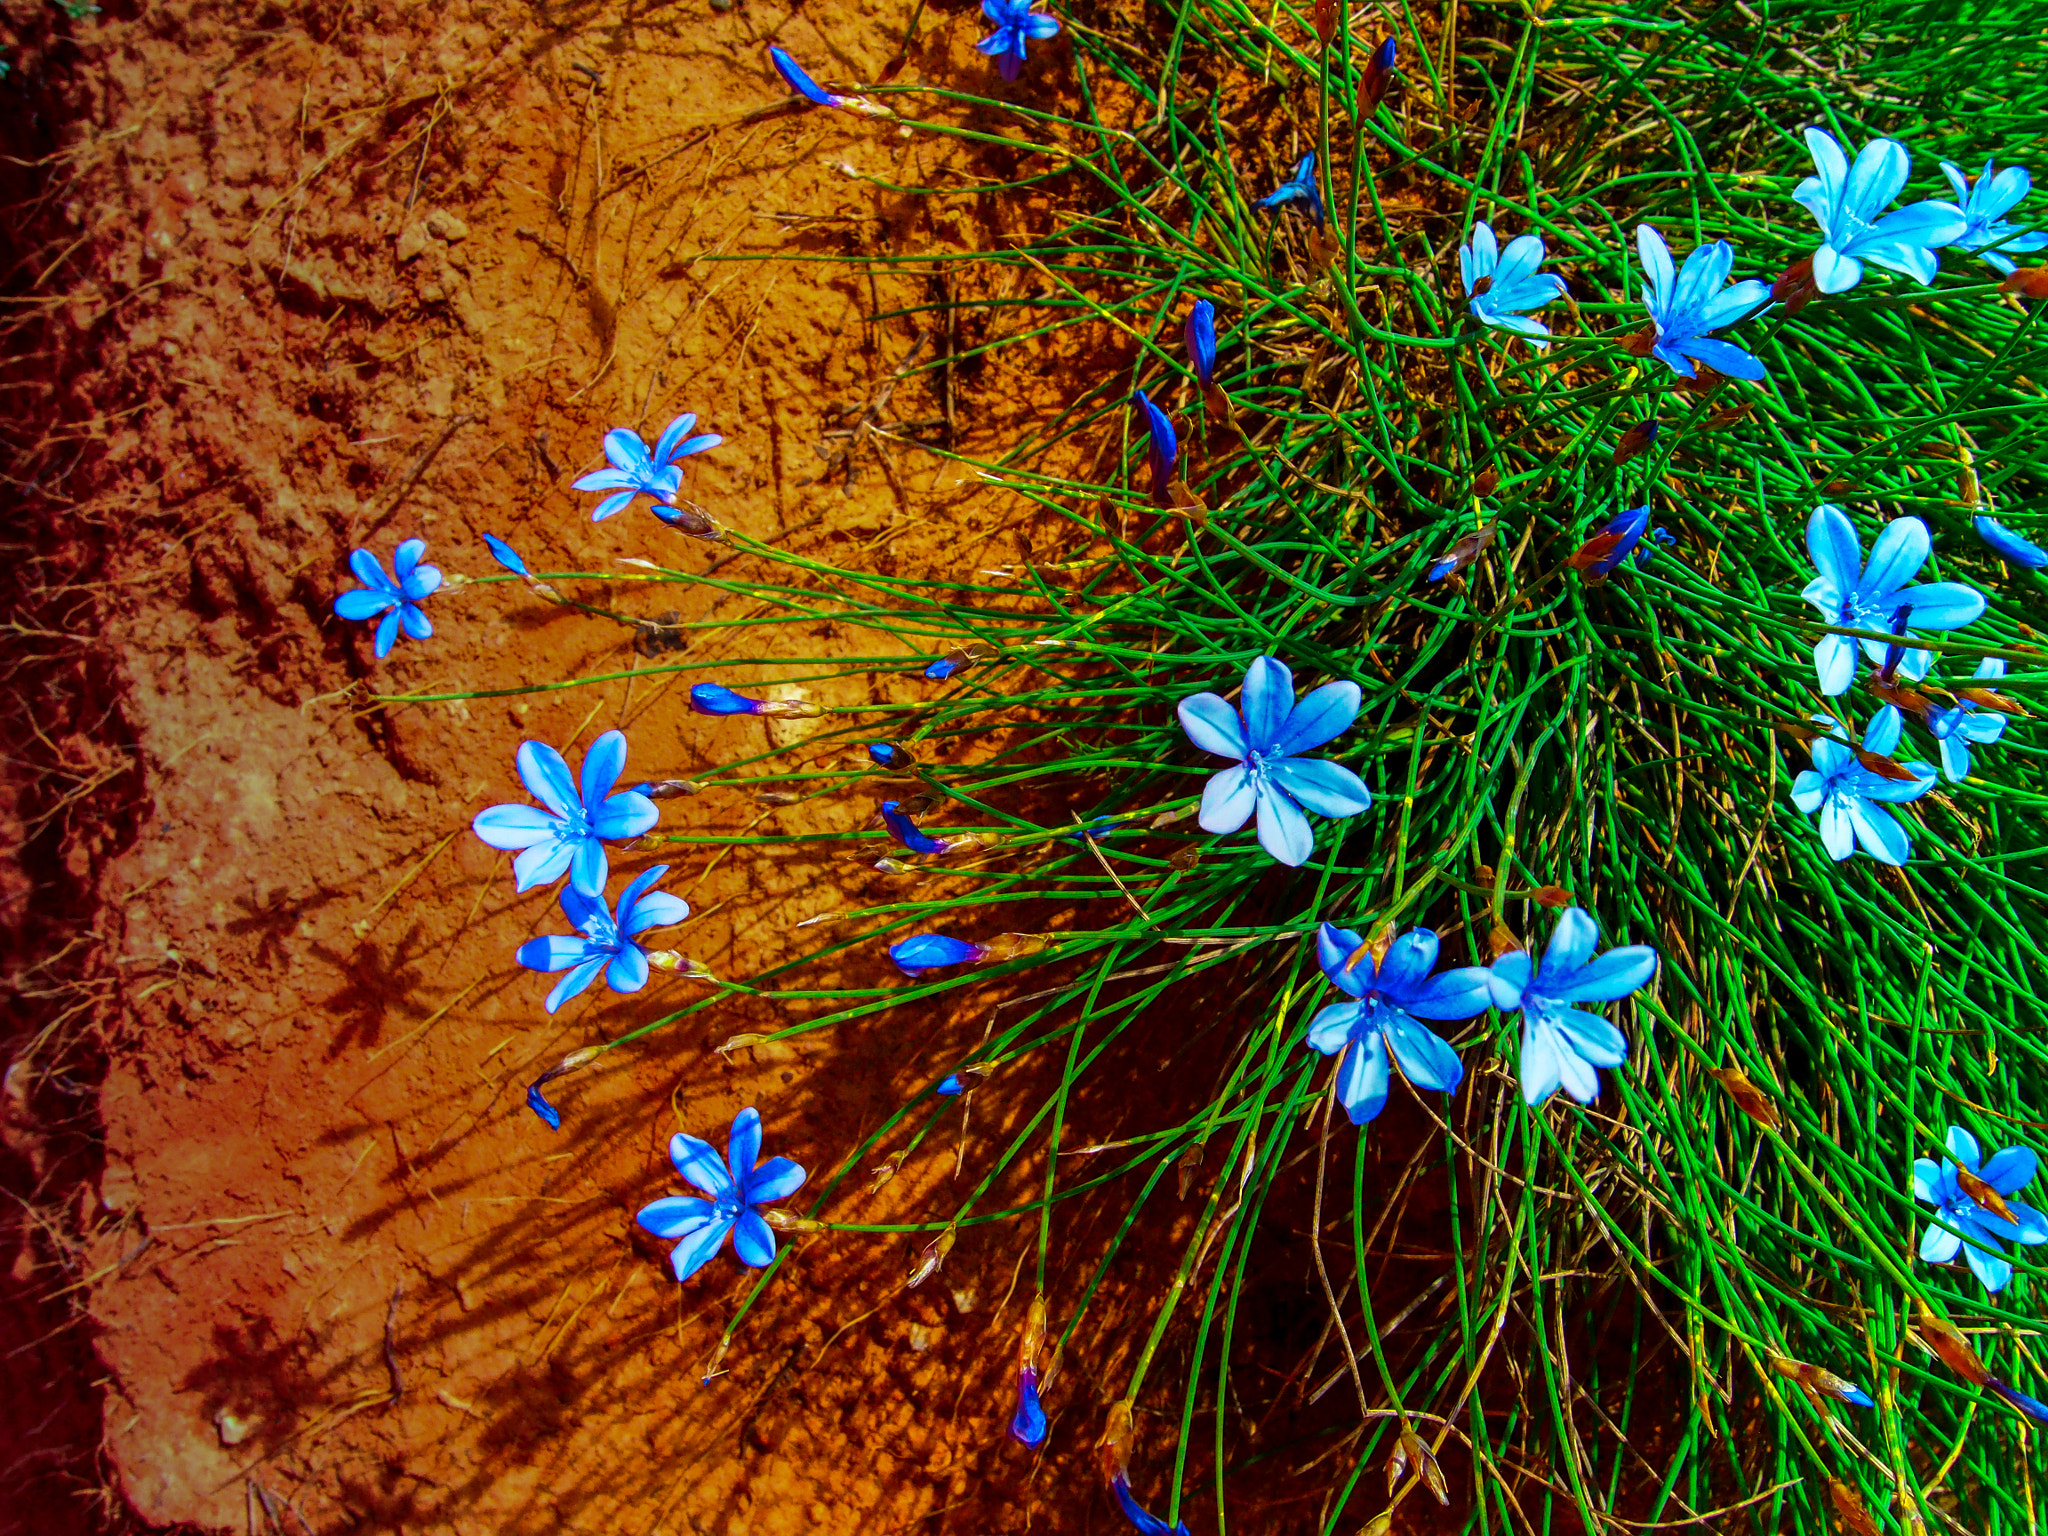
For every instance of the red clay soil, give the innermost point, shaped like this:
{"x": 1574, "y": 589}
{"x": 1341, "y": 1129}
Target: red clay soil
{"x": 303, "y": 279}
{"x": 286, "y": 1249}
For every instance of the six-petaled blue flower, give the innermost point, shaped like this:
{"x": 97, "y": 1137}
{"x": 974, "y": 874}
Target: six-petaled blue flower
{"x": 640, "y": 471}
{"x": 1985, "y": 206}
{"x": 1269, "y": 777}
{"x": 1849, "y": 202}
{"x": 1016, "y": 24}
{"x": 1855, "y": 596}
{"x": 578, "y": 819}
{"x": 1962, "y": 725}
{"x": 1298, "y": 191}
{"x": 2009, "y": 545}
{"x": 1976, "y": 1229}
{"x": 1848, "y": 795}
{"x": 1387, "y": 1001}
{"x": 398, "y": 600}
{"x": 1687, "y": 307}
{"x": 604, "y": 941}
{"x": 1501, "y": 286}
{"x": 735, "y": 1186}
{"x": 1562, "y": 1044}
{"x": 886, "y": 754}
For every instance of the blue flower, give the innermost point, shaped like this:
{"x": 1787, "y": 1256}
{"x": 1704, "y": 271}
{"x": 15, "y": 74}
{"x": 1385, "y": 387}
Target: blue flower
{"x": 1016, "y": 23}
{"x": 949, "y": 1087}
{"x": 1848, "y": 795}
{"x": 505, "y": 555}
{"x": 1985, "y": 206}
{"x": 578, "y": 821}
{"x": 1686, "y": 308}
{"x": 886, "y": 754}
{"x": 1956, "y": 727}
{"x": 1163, "y": 453}
{"x": 944, "y": 668}
{"x": 1299, "y": 190}
{"x": 906, "y": 832}
{"x": 638, "y": 471}
{"x": 717, "y": 699}
{"x": 1561, "y": 1045}
{"x": 932, "y": 951}
{"x": 1200, "y": 335}
{"x": 2009, "y": 545}
{"x": 736, "y": 1184}
{"x": 1269, "y": 777}
{"x": 1611, "y": 544}
{"x": 1389, "y": 1000}
{"x": 604, "y": 942}
{"x": 1849, "y": 202}
{"x": 1856, "y": 596}
{"x": 397, "y": 600}
{"x": 1977, "y": 1228}
{"x": 1147, "y": 1523}
{"x": 1501, "y": 285}
{"x": 1027, "y": 1424}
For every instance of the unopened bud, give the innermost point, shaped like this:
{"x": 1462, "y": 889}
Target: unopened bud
{"x": 1748, "y": 1098}
{"x": 783, "y": 1221}
{"x": 741, "y": 1043}
{"x": 683, "y": 965}
{"x": 1033, "y": 1340}
{"x": 691, "y": 520}
{"x": 1013, "y": 946}
{"x": 776, "y": 797}
{"x": 894, "y": 867}
{"x": 542, "y": 589}
{"x": 885, "y": 1170}
{"x": 790, "y": 709}
{"x": 1113, "y": 1450}
{"x": 933, "y": 1256}
{"x": 668, "y": 789}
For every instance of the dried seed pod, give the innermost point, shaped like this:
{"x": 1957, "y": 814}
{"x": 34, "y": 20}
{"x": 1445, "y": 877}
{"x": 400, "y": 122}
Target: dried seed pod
{"x": 1748, "y": 1098}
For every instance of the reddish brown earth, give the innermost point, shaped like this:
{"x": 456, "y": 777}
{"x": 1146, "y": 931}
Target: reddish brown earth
{"x": 286, "y": 1250}
{"x": 350, "y": 275}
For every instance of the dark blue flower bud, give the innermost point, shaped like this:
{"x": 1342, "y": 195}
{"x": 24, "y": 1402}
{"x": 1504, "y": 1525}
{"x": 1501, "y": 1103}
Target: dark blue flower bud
{"x": 905, "y": 831}
{"x": 1201, "y": 340}
{"x": 714, "y": 699}
{"x": 1027, "y": 1424}
{"x": 505, "y": 555}
{"x": 2009, "y": 545}
{"x": 932, "y": 952}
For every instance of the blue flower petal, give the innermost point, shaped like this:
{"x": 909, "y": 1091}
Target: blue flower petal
{"x": 1284, "y": 831}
